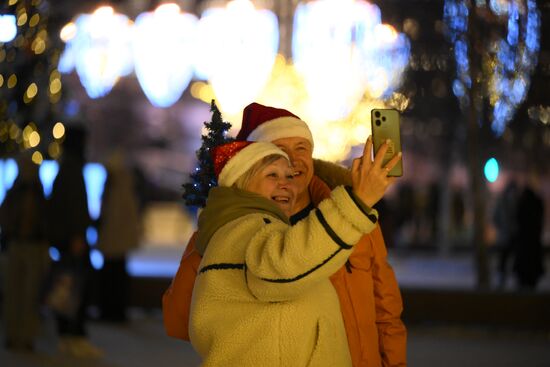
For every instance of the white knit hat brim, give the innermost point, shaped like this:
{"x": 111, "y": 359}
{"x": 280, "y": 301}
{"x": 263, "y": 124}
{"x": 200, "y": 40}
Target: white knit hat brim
{"x": 281, "y": 127}
{"x": 245, "y": 159}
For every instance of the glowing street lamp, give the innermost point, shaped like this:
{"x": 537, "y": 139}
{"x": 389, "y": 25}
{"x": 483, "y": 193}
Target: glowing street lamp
{"x": 163, "y": 47}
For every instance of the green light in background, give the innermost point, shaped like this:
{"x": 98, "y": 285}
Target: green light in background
{"x": 491, "y": 170}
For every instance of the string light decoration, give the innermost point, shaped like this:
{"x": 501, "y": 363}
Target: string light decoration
{"x": 204, "y": 178}
{"x": 508, "y": 60}
{"x": 31, "y": 84}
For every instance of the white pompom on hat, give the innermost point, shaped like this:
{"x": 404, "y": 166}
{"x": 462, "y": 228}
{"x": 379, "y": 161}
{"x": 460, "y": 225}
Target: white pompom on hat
{"x": 264, "y": 123}
{"x": 233, "y": 159}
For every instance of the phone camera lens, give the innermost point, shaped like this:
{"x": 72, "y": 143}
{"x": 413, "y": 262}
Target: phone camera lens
{"x": 377, "y": 122}
{"x": 377, "y": 113}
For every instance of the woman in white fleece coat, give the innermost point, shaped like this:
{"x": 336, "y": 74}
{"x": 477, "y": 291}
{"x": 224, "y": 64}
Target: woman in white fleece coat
{"x": 263, "y": 296}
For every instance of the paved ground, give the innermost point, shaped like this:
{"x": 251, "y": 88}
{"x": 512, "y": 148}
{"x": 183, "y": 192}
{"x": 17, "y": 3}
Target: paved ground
{"x": 142, "y": 343}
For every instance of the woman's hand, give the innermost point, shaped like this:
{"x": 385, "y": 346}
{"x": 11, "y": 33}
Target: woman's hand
{"x": 369, "y": 179}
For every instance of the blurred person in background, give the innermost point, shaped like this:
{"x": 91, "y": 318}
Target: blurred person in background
{"x": 506, "y": 224}
{"x": 529, "y": 256}
{"x": 119, "y": 233}
{"x": 69, "y": 296}
{"x": 22, "y": 219}
{"x": 458, "y": 226}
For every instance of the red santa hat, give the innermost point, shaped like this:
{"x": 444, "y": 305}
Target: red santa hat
{"x": 233, "y": 159}
{"x": 264, "y": 123}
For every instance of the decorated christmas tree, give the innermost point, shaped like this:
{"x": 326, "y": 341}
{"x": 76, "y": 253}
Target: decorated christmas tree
{"x": 204, "y": 178}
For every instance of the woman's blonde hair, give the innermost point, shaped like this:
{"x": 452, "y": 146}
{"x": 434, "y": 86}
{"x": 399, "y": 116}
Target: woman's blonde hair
{"x": 243, "y": 181}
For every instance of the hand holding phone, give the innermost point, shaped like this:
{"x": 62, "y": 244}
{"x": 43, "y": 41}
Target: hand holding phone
{"x": 369, "y": 177}
{"x": 385, "y": 125}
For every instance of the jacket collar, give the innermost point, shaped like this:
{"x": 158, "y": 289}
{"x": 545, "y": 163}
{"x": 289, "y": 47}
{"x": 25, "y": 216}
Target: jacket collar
{"x": 225, "y": 204}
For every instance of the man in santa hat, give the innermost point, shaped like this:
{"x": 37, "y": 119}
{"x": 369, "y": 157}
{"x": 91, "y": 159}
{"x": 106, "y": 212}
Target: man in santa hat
{"x": 367, "y": 289}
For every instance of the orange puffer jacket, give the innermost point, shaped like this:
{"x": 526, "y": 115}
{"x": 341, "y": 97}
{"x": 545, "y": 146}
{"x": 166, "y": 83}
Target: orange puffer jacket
{"x": 369, "y": 296}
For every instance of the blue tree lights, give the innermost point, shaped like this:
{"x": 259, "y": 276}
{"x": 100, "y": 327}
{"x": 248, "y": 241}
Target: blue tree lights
{"x": 508, "y": 58}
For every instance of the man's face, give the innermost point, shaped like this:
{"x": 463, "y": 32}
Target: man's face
{"x": 275, "y": 182}
{"x": 300, "y": 152}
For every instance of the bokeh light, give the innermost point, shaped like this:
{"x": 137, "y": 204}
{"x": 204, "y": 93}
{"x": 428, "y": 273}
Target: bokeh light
{"x": 96, "y": 259}
{"x": 491, "y": 170}
{"x": 509, "y": 60}
{"x": 163, "y": 49}
{"x": 8, "y": 28}
{"x": 37, "y": 157}
{"x": 357, "y": 55}
{"x": 237, "y": 46}
{"x": 58, "y": 130}
{"x": 95, "y": 176}
{"x": 8, "y": 174}
{"x": 47, "y": 172}
{"x": 54, "y": 254}
{"x": 91, "y": 235}
{"x": 100, "y": 50}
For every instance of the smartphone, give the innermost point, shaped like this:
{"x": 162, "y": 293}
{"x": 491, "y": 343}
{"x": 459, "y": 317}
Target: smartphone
{"x": 385, "y": 125}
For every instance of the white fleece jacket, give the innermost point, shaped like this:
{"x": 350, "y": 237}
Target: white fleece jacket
{"x": 263, "y": 297}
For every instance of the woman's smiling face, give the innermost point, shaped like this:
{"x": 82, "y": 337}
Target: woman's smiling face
{"x": 299, "y": 151}
{"x": 275, "y": 182}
